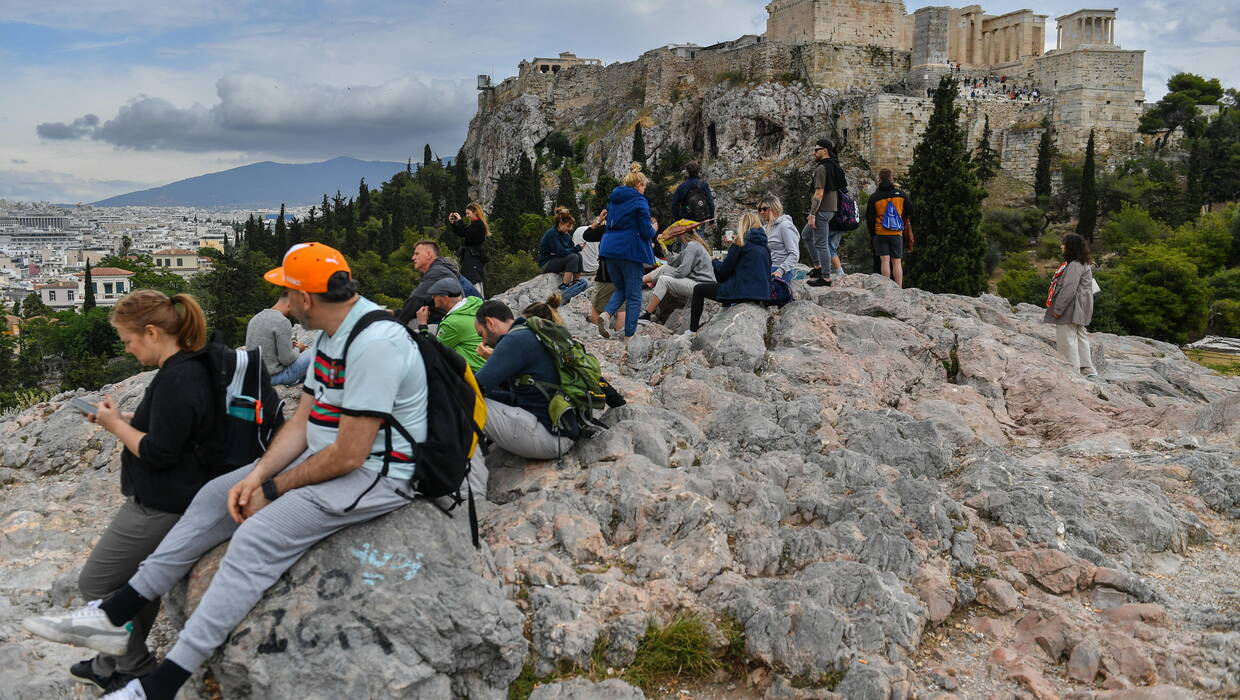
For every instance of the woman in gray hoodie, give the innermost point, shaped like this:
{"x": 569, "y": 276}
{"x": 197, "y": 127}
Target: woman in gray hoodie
{"x": 782, "y": 237}
{"x": 684, "y": 269}
{"x": 1070, "y": 304}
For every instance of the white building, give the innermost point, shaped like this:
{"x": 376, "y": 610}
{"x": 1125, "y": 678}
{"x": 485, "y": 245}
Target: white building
{"x": 60, "y": 295}
{"x": 110, "y": 284}
{"x": 179, "y": 260}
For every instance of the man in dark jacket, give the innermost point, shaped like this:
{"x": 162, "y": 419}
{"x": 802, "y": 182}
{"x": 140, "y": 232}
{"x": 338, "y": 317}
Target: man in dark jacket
{"x": 887, "y": 215}
{"x": 518, "y": 415}
{"x": 433, "y": 268}
{"x": 824, "y": 247}
{"x": 693, "y": 198}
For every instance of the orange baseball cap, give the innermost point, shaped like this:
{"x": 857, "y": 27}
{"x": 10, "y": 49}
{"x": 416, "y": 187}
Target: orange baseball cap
{"x": 307, "y": 267}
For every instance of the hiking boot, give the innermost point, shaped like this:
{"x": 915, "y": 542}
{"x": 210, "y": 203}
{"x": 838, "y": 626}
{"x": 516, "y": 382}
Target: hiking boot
{"x": 130, "y": 691}
{"x": 603, "y": 323}
{"x": 815, "y": 273}
{"x": 84, "y": 672}
{"x": 88, "y": 626}
{"x": 819, "y": 282}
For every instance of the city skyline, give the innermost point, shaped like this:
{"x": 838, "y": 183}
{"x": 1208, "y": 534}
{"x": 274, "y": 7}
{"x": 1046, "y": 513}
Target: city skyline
{"x": 120, "y": 97}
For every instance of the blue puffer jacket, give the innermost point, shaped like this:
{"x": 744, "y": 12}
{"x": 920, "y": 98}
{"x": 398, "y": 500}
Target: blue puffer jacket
{"x": 555, "y": 245}
{"x": 629, "y": 232}
{"x": 744, "y": 274}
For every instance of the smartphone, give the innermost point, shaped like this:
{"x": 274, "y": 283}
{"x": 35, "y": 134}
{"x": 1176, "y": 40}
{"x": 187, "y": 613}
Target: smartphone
{"x": 82, "y": 406}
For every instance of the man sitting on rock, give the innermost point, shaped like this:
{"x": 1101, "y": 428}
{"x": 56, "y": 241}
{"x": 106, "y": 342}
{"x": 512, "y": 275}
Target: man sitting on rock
{"x": 320, "y": 475}
{"x": 518, "y": 414}
{"x": 433, "y": 268}
{"x": 456, "y": 330}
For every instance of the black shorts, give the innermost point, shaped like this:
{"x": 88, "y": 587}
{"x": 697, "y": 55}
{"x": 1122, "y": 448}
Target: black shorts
{"x": 889, "y": 245}
{"x": 564, "y": 263}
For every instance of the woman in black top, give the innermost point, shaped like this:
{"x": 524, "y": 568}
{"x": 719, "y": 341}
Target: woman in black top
{"x": 171, "y": 449}
{"x": 473, "y": 232}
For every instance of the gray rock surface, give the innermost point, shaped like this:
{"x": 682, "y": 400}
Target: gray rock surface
{"x": 581, "y": 689}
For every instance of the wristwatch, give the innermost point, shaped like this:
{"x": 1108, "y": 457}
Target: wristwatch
{"x": 269, "y": 490}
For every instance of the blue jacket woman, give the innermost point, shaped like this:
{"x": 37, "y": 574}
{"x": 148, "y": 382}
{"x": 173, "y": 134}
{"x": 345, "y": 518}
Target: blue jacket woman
{"x": 627, "y": 250}
{"x": 744, "y": 274}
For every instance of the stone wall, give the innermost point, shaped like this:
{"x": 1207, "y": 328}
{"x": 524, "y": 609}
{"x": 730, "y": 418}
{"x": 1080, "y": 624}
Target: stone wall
{"x": 858, "y": 22}
{"x": 1019, "y": 152}
{"x": 1093, "y": 89}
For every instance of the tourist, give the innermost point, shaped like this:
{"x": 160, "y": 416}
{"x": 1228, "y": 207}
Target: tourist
{"x": 674, "y": 281}
{"x": 824, "y": 246}
{"x": 626, "y": 248}
{"x": 589, "y": 246}
{"x": 433, "y": 268}
{"x": 293, "y": 496}
{"x": 1070, "y": 304}
{"x": 518, "y": 412}
{"x": 603, "y": 288}
{"x": 887, "y": 215}
{"x": 781, "y": 237}
{"x": 456, "y": 330}
{"x": 271, "y": 332}
{"x": 473, "y": 232}
{"x": 549, "y": 309}
{"x": 557, "y": 253}
{"x": 693, "y": 199}
{"x": 170, "y": 450}
{"x": 744, "y": 275}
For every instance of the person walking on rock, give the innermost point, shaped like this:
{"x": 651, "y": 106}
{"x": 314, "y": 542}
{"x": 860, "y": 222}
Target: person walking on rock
{"x": 321, "y": 474}
{"x": 272, "y": 332}
{"x": 1070, "y": 304}
{"x": 473, "y": 232}
{"x": 171, "y": 449}
{"x": 693, "y": 199}
{"x": 888, "y": 214}
{"x": 626, "y": 248}
{"x": 743, "y": 275}
{"x": 782, "y": 237}
{"x": 824, "y": 246}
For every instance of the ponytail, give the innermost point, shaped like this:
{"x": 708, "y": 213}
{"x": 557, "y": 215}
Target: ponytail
{"x": 180, "y": 317}
{"x": 191, "y": 322}
{"x": 635, "y": 178}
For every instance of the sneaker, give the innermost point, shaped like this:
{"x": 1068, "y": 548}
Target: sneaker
{"x": 130, "y": 691}
{"x": 815, "y": 273}
{"x": 88, "y": 626}
{"x": 819, "y": 282}
{"x": 603, "y": 323}
{"x": 646, "y": 316}
{"x": 84, "y": 672}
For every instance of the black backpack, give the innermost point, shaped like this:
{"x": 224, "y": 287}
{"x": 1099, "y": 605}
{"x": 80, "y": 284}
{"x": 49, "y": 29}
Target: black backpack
{"x": 252, "y": 411}
{"x": 455, "y": 414}
{"x": 697, "y": 206}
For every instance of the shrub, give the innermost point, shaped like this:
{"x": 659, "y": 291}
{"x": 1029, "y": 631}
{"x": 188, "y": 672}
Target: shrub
{"x": 1159, "y": 294}
{"x": 1131, "y": 226}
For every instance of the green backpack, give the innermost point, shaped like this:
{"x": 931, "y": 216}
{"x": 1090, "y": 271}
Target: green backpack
{"x": 579, "y": 374}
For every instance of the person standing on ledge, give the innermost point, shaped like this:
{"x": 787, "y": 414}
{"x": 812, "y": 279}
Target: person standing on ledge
{"x": 1070, "y": 305}
{"x": 473, "y": 231}
{"x": 824, "y": 247}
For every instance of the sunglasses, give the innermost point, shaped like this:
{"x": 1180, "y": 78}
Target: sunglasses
{"x": 764, "y": 208}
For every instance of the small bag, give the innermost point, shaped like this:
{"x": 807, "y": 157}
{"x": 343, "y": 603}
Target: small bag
{"x": 1093, "y": 283}
{"x": 781, "y": 292}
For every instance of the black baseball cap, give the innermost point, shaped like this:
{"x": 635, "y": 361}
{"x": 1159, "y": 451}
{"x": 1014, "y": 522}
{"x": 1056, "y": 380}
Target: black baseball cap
{"x": 826, "y": 143}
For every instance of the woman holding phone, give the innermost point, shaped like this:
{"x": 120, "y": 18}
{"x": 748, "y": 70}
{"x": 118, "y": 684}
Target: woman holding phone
{"x": 171, "y": 449}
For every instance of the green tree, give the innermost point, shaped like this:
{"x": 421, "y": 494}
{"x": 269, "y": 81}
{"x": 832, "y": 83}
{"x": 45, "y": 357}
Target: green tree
{"x": 1220, "y": 158}
{"x": 1130, "y": 227}
{"x": 1021, "y": 283}
{"x": 89, "y": 284}
{"x": 985, "y": 156}
{"x": 1087, "y": 218}
{"x": 233, "y": 290}
{"x": 126, "y": 245}
{"x": 603, "y": 186}
{"x": 1205, "y": 241}
{"x": 566, "y": 195}
{"x": 1042, "y": 172}
{"x": 1159, "y": 294}
{"x": 639, "y": 145}
{"x": 279, "y": 240}
{"x": 1178, "y": 109}
{"x": 33, "y": 306}
{"x": 427, "y": 157}
{"x": 950, "y": 253}
{"x": 460, "y": 182}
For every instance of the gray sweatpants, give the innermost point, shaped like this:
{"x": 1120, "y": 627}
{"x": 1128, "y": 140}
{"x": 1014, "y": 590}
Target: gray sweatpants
{"x": 263, "y": 547}
{"x": 518, "y": 431}
{"x": 135, "y": 532}
{"x": 819, "y": 243}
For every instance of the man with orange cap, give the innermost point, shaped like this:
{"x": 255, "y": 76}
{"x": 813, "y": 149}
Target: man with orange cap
{"x": 330, "y": 454}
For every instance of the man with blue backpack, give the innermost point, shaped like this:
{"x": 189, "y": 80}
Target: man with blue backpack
{"x": 889, "y": 215}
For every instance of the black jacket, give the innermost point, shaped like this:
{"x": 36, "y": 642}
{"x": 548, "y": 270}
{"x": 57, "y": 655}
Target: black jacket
{"x": 419, "y": 297}
{"x": 472, "y": 252}
{"x": 181, "y": 449}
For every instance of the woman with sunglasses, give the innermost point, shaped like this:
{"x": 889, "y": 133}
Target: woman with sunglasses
{"x": 782, "y": 238}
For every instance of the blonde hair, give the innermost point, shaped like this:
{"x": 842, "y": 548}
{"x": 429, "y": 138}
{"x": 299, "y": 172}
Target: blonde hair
{"x": 476, "y": 208}
{"x": 564, "y": 216}
{"x": 548, "y": 309}
{"x": 748, "y": 220}
{"x": 635, "y": 178}
{"x": 772, "y": 202}
{"x": 180, "y": 317}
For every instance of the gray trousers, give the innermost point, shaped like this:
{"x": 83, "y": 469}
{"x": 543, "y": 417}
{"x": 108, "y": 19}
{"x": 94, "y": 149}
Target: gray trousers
{"x": 518, "y": 431}
{"x": 135, "y": 532}
{"x": 263, "y": 547}
{"x": 819, "y": 242}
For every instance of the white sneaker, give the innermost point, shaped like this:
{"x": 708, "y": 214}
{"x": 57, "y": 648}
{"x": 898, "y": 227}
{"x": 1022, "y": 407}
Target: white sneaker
{"x": 604, "y": 323}
{"x": 130, "y": 691}
{"x": 88, "y": 626}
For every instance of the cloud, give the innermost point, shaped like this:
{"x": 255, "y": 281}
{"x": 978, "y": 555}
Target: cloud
{"x": 50, "y": 186}
{"x": 259, "y": 114}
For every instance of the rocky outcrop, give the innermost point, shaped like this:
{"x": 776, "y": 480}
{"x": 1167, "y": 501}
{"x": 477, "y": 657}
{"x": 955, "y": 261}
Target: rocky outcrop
{"x": 885, "y": 492}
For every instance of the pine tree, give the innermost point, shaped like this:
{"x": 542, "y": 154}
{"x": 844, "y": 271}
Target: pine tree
{"x": 566, "y": 195}
{"x": 1042, "y": 173}
{"x": 639, "y": 145}
{"x": 1087, "y": 219}
{"x": 409, "y": 166}
{"x": 279, "y": 242}
{"x": 951, "y": 251}
{"x": 426, "y": 155}
{"x": 986, "y": 157}
{"x": 89, "y": 302}
{"x": 363, "y": 201}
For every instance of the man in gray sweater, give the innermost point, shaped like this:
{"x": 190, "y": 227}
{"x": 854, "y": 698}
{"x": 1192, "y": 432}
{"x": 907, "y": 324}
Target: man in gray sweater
{"x": 272, "y": 332}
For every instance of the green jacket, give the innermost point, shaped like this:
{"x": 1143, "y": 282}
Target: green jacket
{"x": 456, "y": 330}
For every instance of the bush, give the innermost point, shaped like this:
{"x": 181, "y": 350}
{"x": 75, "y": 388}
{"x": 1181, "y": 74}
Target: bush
{"x": 1131, "y": 226}
{"x": 1021, "y": 283}
{"x": 1158, "y": 294}
{"x": 1012, "y": 229}
{"x": 508, "y": 270}
{"x": 1049, "y": 247}
{"x": 1225, "y": 318}
{"x": 1206, "y": 241}
{"x": 1225, "y": 285}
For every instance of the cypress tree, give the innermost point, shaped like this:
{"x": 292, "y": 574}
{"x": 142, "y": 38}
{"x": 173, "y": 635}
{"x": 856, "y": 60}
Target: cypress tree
{"x": 566, "y": 195}
{"x": 639, "y": 145}
{"x": 529, "y": 188}
{"x": 1087, "y": 219}
{"x": 951, "y": 251}
{"x": 363, "y": 201}
{"x": 279, "y": 242}
{"x": 89, "y": 284}
{"x": 986, "y": 157}
{"x": 1042, "y": 174}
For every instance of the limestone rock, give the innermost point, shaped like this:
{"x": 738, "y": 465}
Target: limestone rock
{"x": 581, "y": 689}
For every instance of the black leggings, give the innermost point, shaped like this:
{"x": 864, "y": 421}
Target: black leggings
{"x": 710, "y": 290}
{"x": 563, "y": 263}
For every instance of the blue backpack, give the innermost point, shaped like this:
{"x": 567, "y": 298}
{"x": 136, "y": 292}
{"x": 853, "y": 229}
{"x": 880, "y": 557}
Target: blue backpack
{"x": 892, "y": 221}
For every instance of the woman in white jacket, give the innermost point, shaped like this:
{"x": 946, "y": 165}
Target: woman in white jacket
{"x": 782, "y": 237}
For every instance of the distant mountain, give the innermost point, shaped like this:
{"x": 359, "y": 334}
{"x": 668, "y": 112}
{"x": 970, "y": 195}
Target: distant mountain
{"x": 263, "y": 185}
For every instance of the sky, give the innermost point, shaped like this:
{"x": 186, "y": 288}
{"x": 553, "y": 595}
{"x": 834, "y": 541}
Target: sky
{"x": 104, "y": 97}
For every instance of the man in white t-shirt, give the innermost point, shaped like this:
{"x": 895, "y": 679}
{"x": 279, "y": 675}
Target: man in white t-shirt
{"x": 589, "y": 251}
{"x": 322, "y": 473}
